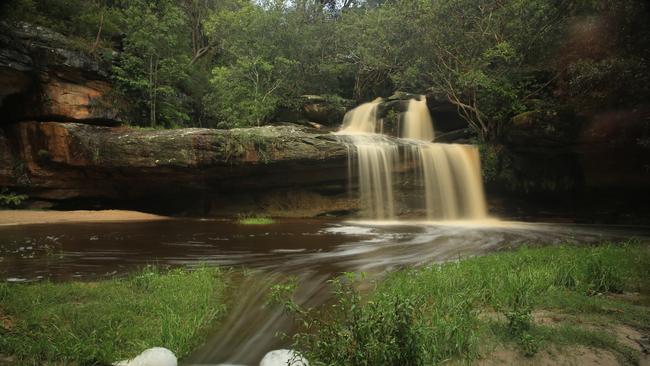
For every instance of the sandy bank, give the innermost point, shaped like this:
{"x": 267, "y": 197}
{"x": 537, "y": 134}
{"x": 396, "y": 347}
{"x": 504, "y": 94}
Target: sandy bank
{"x": 21, "y": 217}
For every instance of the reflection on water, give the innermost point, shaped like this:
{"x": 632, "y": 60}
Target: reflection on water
{"x": 313, "y": 250}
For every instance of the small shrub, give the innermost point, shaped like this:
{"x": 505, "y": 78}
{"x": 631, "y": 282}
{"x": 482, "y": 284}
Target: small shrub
{"x": 281, "y": 294}
{"x": 381, "y": 331}
{"x": 518, "y": 294}
{"x": 519, "y": 321}
{"x": 10, "y": 199}
{"x": 529, "y": 344}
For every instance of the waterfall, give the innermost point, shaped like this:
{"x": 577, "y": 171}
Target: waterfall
{"x": 376, "y": 156}
{"x": 452, "y": 181}
{"x": 376, "y": 160}
{"x": 362, "y": 119}
{"x": 417, "y": 123}
{"x": 446, "y": 178}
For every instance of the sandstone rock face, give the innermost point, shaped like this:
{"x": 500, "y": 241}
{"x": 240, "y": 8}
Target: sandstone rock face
{"x": 72, "y": 161}
{"x": 44, "y": 78}
{"x": 16, "y": 65}
{"x": 67, "y": 97}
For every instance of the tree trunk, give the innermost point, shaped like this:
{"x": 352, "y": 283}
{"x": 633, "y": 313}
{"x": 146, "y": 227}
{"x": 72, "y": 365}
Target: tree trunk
{"x": 151, "y": 103}
{"x": 155, "y": 91}
{"x": 99, "y": 34}
{"x": 199, "y": 54}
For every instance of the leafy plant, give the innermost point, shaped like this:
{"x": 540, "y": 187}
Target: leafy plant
{"x": 11, "y": 199}
{"x": 382, "y": 331}
{"x": 529, "y": 344}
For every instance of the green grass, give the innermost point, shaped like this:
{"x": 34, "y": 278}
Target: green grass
{"x": 255, "y": 220}
{"x": 82, "y": 323}
{"x": 459, "y": 311}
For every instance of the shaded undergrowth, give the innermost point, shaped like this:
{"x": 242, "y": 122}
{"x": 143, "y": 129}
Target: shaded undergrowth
{"x": 87, "y": 323}
{"x": 460, "y": 311}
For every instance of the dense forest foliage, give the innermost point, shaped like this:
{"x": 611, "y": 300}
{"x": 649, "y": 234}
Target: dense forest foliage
{"x": 230, "y": 63}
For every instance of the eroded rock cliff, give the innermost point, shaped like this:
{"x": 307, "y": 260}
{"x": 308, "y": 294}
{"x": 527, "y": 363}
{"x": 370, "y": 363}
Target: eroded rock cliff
{"x": 70, "y": 161}
{"x": 43, "y": 78}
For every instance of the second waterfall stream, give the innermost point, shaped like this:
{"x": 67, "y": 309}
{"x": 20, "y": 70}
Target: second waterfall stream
{"x": 411, "y": 175}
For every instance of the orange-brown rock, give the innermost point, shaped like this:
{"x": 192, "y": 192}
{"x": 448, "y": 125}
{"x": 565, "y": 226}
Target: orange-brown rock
{"x": 43, "y": 78}
{"x": 79, "y": 100}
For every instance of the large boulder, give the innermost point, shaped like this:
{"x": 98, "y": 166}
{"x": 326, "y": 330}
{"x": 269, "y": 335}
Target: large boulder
{"x": 44, "y": 77}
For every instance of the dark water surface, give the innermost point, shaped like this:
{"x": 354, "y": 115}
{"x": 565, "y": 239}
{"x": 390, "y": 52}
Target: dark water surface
{"x": 313, "y": 250}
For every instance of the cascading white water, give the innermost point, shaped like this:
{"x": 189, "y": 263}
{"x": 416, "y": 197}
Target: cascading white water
{"x": 376, "y": 160}
{"x": 452, "y": 181}
{"x": 376, "y": 156}
{"x": 362, "y": 119}
{"x": 417, "y": 123}
{"x": 448, "y": 175}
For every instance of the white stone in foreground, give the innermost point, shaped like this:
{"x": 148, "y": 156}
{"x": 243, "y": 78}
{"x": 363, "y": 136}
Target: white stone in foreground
{"x": 156, "y": 356}
{"x": 283, "y": 357}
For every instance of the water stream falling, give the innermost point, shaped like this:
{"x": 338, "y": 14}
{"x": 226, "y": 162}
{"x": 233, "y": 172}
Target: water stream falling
{"x": 376, "y": 158}
{"x": 443, "y": 179}
{"x": 363, "y": 119}
{"x": 417, "y": 123}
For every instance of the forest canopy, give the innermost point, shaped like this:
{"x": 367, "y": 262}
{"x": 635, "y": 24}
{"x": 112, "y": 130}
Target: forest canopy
{"x": 236, "y": 63}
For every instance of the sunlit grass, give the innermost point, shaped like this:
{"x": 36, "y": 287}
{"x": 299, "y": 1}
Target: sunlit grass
{"x": 83, "y": 323}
